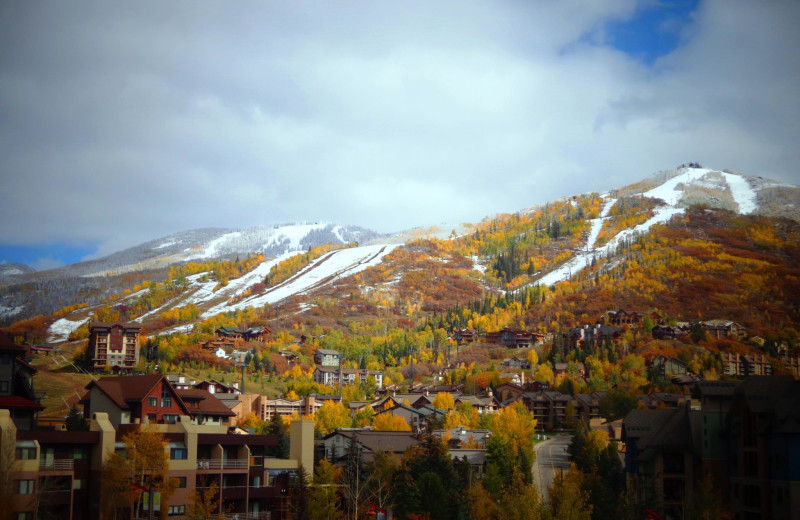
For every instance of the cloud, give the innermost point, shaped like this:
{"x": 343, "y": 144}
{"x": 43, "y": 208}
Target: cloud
{"x": 122, "y": 123}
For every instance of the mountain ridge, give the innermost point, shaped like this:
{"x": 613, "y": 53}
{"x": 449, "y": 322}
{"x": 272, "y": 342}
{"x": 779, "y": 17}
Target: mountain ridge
{"x": 671, "y": 192}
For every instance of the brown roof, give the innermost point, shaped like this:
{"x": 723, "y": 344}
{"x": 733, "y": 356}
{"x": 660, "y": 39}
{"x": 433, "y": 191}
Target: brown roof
{"x": 207, "y": 403}
{"x": 374, "y": 441}
{"x": 130, "y": 389}
{"x": 124, "y": 325}
{"x": 17, "y": 402}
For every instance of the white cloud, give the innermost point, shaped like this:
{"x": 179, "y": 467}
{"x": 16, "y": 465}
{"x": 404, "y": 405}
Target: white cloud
{"x": 138, "y": 121}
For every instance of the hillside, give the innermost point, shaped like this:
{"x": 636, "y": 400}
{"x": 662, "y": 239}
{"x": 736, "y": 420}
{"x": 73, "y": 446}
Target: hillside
{"x": 692, "y": 244}
{"x": 25, "y": 292}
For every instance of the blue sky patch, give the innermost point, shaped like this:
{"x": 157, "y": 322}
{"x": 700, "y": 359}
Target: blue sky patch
{"x": 654, "y": 30}
{"x": 42, "y": 257}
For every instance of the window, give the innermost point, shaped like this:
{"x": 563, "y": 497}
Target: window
{"x": 28, "y": 515}
{"x": 152, "y": 417}
{"x": 170, "y": 418}
{"x": 152, "y": 401}
{"x": 78, "y": 483}
{"x": 178, "y": 453}
{"x": 25, "y": 451}
{"x": 181, "y": 482}
{"x": 177, "y": 510}
{"x": 3, "y": 386}
{"x": 25, "y": 487}
{"x": 78, "y": 453}
{"x": 166, "y": 398}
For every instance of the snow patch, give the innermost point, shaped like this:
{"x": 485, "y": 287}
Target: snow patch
{"x": 328, "y": 268}
{"x": 10, "y": 311}
{"x": 165, "y": 244}
{"x": 61, "y": 329}
{"x": 743, "y": 194}
{"x": 671, "y": 191}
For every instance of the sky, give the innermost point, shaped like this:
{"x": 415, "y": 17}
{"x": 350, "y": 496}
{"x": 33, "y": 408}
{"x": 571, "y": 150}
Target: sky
{"x": 122, "y": 122}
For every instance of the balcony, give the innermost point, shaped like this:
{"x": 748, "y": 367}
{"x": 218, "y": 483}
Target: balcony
{"x": 216, "y": 464}
{"x": 57, "y": 465}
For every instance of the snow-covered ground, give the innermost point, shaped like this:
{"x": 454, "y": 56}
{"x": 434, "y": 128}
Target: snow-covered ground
{"x": 743, "y": 194}
{"x": 61, "y": 329}
{"x": 332, "y": 266}
{"x": 670, "y": 192}
{"x": 10, "y": 311}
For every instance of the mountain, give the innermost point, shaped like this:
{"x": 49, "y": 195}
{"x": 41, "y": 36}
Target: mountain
{"x": 405, "y": 275}
{"x": 14, "y": 269}
{"x": 25, "y": 292}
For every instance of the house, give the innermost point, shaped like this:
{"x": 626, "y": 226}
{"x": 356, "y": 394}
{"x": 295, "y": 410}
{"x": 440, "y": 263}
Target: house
{"x": 465, "y": 336}
{"x": 16, "y": 386}
{"x": 229, "y": 333}
{"x": 590, "y": 336}
{"x": 150, "y": 399}
{"x": 327, "y": 358}
{"x": 508, "y": 392}
{"x": 417, "y": 418}
{"x": 343, "y": 376}
{"x": 483, "y": 404}
{"x": 58, "y": 474}
{"x": 256, "y": 334}
{"x": 461, "y": 437}
{"x": 516, "y": 363}
{"x": 215, "y": 387}
{"x": 335, "y": 445}
{"x": 573, "y": 369}
{"x": 723, "y": 329}
{"x": 665, "y": 367}
{"x": 621, "y": 317}
{"x": 670, "y": 331}
{"x": 513, "y": 338}
{"x": 290, "y": 357}
{"x": 114, "y": 346}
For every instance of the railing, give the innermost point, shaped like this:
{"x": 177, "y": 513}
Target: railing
{"x": 224, "y": 464}
{"x": 57, "y": 465}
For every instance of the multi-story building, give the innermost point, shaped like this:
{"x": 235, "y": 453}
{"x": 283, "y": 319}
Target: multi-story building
{"x": 327, "y": 357}
{"x": 114, "y": 346}
{"x": 346, "y": 376}
{"x": 59, "y": 474}
{"x": 151, "y": 399}
{"x": 742, "y": 438}
{"x": 16, "y": 385}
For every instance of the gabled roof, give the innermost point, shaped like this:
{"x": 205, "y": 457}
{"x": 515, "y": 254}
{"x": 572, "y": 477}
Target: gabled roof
{"x": 207, "y": 403}
{"x": 374, "y": 441}
{"x": 131, "y": 389}
{"x": 132, "y": 325}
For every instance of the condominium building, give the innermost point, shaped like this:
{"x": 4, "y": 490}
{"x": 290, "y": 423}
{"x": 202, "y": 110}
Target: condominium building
{"x": 114, "y": 346}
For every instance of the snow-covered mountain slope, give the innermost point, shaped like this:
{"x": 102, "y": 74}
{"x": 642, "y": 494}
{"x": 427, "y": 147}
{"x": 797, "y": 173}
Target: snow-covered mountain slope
{"x": 677, "y": 189}
{"x": 203, "y": 244}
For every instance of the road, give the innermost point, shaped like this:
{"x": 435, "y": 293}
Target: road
{"x": 551, "y": 458}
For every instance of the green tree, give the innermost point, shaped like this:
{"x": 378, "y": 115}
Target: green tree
{"x": 617, "y": 403}
{"x": 324, "y": 493}
{"x": 276, "y": 426}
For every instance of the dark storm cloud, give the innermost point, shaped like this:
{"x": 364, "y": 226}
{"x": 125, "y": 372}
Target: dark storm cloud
{"x": 121, "y": 122}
